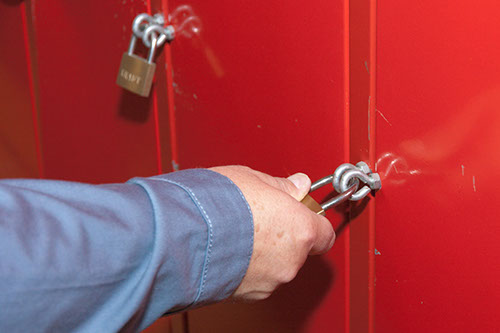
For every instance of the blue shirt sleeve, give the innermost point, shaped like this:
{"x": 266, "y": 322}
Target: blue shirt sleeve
{"x": 106, "y": 258}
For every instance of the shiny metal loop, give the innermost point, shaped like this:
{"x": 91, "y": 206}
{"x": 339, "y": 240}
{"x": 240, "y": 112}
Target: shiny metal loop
{"x": 342, "y": 197}
{"x": 337, "y": 175}
{"x": 360, "y": 194}
{"x": 354, "y": 173}
{"x": 337, "y": 200}
{"x": 372, "y": 181}
{"x": 324, "y": 181}
{"x": 138, "y": 25}
{"x": 131, "y": 46}
{"x": 346, "y": 181}
{"x": 321, "y": 182}
{"x": 166, "y": 34}
{"x": 153, "y": 31}
{"x": 152, "y": 50}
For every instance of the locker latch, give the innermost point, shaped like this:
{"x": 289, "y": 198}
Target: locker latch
{"x": 346, "y": 181}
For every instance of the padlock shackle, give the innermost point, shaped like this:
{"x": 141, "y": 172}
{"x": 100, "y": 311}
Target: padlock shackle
{"x": 138, "y": 21}
{"x": 342, "y": 197}
{"x": 152, "y": 50}
{"x": 131, "y": 46}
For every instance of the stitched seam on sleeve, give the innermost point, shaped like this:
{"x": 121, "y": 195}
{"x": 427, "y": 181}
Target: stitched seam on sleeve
{"x": 251, "y": 219}
{"x": 207, "y": 220}
{"x": 228, "y": 180}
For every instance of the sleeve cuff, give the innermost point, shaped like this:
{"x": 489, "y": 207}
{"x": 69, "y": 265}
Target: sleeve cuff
{"x": 224, "y": 227}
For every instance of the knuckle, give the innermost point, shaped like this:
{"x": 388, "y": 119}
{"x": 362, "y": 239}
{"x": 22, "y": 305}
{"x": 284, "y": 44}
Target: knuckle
{"x": 331, "y": 231}
{"x": 282, "y": 185}
{"x": 288, "y": 187}
{"x": 288, "y": 275}
{"x": 308, "y": 232}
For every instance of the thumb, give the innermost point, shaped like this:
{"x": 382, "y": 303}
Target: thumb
{"x": 302, "y": 185}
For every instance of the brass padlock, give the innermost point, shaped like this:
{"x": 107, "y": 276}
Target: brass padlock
{"x": 136, "y": 73}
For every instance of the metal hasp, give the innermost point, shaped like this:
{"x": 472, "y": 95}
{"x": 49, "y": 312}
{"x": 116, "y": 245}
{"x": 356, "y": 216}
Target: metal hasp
{"x": 346, "y": 180}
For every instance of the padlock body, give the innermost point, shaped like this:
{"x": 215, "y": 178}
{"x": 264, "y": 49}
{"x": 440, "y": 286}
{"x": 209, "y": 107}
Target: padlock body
{"x": 136, "y": 74}
{"x": 313, "y": 205}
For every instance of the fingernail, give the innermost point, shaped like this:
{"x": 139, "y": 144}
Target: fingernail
{"x": 301, "y": 181}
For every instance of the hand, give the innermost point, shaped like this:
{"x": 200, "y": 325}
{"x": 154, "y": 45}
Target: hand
{"x": 285, "y": 231}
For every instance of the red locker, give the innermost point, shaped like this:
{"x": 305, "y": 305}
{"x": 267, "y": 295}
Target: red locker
{"x": 410, "y": 88}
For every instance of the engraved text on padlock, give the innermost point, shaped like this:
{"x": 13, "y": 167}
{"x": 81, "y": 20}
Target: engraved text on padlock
{"x": 136, "y": 73}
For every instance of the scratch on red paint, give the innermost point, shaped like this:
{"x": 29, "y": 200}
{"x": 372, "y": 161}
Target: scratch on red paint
{"x": 384, "y": 117}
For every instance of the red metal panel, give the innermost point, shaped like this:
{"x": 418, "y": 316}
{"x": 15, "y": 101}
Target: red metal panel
{"x": 18, "y": 150}
{"x": 165, "y": 106}
{"x": 438, "y": 91}
{"x": 91, "y": 129}
{"x": 262, "y": 84}
{"x": 362, "y": 139}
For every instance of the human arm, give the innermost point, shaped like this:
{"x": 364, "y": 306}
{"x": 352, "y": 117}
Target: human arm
{"x": 115, "y": 257}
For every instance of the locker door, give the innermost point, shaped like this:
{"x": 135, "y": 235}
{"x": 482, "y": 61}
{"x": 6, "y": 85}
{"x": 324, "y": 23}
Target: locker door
{"x": 437, "y": 230}
{"x": 263, "y": 84}
{"x": 63, "y": 117}
{"x": 91, "y": 130}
